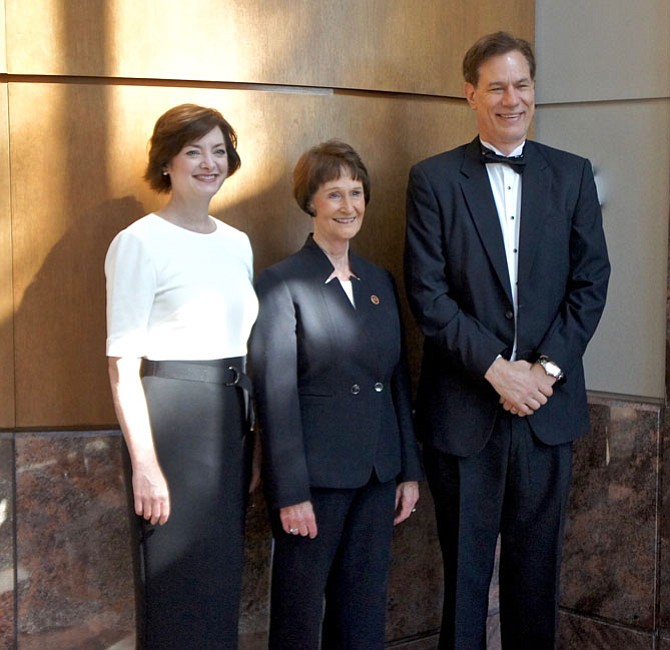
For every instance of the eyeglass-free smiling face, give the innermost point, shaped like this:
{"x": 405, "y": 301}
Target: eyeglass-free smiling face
{"x": 339, "y": 208}
{"x": 200, "y": 168}
{"x": 504, "y": 100}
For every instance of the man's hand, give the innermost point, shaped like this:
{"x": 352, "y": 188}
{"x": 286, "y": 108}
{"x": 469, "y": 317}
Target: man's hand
{"x": 523, "y": 388}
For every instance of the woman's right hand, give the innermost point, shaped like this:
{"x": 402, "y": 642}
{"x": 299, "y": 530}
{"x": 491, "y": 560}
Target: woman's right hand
{"x": 299, "y": 519}
{"x": 151, "y": 494}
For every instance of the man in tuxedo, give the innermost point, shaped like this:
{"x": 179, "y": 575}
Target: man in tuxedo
{"x": 506, "y": 272}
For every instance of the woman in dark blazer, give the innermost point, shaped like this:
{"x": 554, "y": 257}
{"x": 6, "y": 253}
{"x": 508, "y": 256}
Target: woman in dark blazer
{"x": 341, "y": 463}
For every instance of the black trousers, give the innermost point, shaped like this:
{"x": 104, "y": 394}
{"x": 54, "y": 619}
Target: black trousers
{"x": 346, "y": 566}
{"x": 516, "y": 487}
{"x": 189, "y": 571}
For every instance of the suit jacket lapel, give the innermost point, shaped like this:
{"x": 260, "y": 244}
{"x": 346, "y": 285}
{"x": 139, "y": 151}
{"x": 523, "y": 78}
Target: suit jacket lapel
{"x": 477, "y": 191}
{"x": 536, "y": 187}
{"x": 342, "y": 323}
{"x": 348, "y": 328}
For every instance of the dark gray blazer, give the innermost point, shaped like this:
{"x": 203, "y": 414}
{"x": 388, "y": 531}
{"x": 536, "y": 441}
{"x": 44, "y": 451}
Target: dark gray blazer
{"x": 459, "y": 289}
{"x": 331, "y": 384}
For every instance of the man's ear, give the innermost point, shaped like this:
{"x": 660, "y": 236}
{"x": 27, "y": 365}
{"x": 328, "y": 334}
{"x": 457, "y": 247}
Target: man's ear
{"x": 469, "y": 91}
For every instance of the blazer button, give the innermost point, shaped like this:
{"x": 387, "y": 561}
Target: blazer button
{"x": 509, "y": 315}
{"x": 379, "y": 387}
{"x": 355, "y": 389}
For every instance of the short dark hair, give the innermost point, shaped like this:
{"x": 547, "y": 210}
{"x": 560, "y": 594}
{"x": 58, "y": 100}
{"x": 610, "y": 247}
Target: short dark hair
{"x": 493, "y": 45}
{"x": 326, "y": 162}
{"x": 178, "y": 127}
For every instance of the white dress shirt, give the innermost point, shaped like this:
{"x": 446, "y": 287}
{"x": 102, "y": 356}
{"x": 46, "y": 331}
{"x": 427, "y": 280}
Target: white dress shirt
{"x": 506, "y": 187}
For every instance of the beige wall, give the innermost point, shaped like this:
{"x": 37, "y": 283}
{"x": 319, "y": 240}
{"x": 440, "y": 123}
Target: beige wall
{"x": 603, "y": 91}
{"x": 85, "y": 82}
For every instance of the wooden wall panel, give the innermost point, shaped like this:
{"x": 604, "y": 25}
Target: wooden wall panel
{"x": 3, "y": 45}
{"x": 59, "y": 192}
{"x": 394, "y": 45}
{"x": 6, "y": 303}
{"x": 75, "y": 172}
{"x": 76, "y": 180}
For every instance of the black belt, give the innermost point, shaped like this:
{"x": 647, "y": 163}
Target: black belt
{"x": 224, "y": 372}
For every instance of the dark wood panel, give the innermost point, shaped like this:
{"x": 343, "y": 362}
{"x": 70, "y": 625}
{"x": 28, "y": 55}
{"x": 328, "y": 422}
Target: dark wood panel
{"x": 3, "y": 46}
{"x": 394, "y": 45}
{"x": 75, "y": 172}
{"x": 6, "y": 303}
{"x": 76, "y": 180}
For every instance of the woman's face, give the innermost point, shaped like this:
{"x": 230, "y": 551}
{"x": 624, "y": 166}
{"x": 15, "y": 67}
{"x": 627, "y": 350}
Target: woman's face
{"x": 339, "y": 207}
{"x": 200, "y": 168}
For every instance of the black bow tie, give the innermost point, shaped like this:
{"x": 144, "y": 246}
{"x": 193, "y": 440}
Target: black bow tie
{"x": 515, "y": 162}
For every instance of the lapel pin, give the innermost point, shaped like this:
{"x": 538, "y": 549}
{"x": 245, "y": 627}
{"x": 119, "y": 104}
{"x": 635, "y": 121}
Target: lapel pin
{"x": 374, "y": 299}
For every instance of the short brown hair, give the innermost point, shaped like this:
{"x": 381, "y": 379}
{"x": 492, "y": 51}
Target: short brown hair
{"x": 178, "y": 127}
{"x": 493, "y": 45}
{"x": 326, "y": 162}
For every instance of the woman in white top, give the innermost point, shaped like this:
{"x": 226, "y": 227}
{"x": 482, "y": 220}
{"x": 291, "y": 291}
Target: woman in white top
{"x": 180, "y": 307}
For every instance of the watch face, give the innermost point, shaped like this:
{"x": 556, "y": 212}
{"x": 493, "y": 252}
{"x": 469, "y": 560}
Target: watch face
{"x": 551, "y": 368}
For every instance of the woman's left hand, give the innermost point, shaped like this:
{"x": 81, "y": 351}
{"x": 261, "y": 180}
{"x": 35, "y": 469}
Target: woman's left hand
{"x": 406, "y": 496}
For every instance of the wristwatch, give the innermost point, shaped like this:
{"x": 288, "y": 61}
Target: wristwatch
{"x": 550, "y": 367}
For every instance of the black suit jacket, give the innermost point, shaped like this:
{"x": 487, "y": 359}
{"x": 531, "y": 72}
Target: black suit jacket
{"x": 331, "y": 382}
{"x": 459, "y": 289}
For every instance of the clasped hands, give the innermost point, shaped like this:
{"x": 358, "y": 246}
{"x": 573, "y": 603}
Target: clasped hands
{"x": 523, "y": 387}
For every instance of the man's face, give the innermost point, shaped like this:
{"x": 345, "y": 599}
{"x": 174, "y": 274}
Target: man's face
{"x": 504, "y": 99}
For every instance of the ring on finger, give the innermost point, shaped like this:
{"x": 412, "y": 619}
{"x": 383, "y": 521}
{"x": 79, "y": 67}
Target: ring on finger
{"x": 293, "y": 531}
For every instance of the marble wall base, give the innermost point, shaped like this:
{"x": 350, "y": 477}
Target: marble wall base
{"x": 612, "y": 569}
{"x": 74, "y": 583}
{"x": 7, "y": 583}
{"x": 66, "y": 582}
{"x": 65, "y": 569}
{"x": 425, "y": 643}
{"x": 584, "y": 633}
{"x": 610, "y": 559}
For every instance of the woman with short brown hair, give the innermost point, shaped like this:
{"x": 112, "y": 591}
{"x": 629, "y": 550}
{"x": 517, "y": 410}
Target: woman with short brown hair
{"x": 340, "y": 458}
{"x": 180, "y": 306}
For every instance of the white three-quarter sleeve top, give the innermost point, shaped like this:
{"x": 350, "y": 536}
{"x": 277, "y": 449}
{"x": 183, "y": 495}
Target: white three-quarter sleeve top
{"x": 177, "y": 294}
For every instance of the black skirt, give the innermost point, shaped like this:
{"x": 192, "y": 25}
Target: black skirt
{"x": 189, "y": 570}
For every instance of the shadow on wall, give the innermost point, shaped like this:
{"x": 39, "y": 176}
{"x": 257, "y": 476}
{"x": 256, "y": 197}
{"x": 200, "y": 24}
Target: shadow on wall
{"x": 61, "y": 376}
{"x": 60, "y": 322}
{"x": 60, "y": 328}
